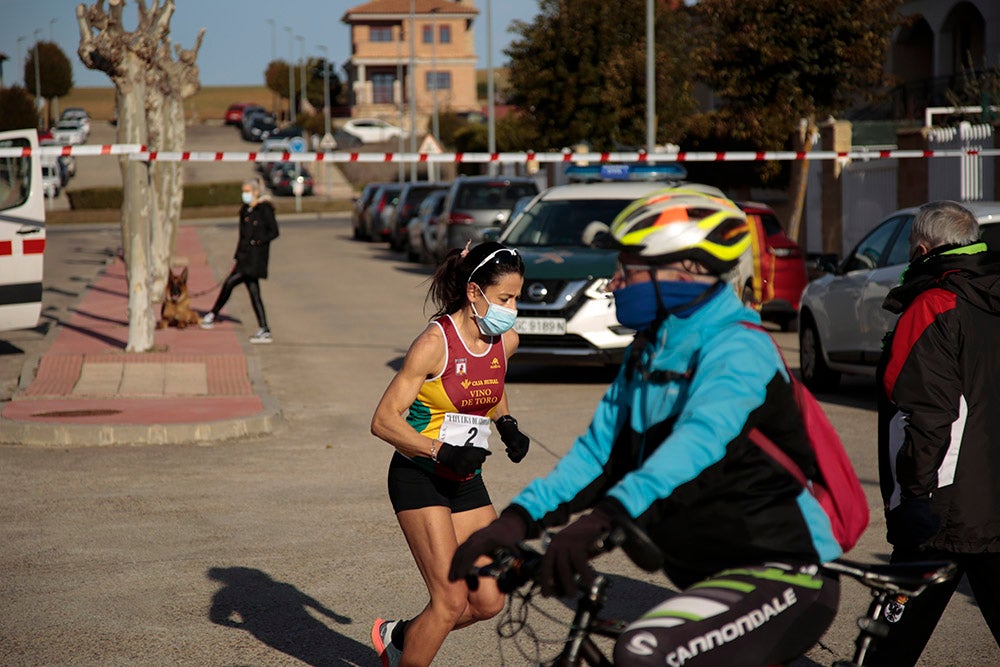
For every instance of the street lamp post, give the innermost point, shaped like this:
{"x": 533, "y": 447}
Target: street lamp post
{"x": 291, "y": 74}
{"x": 20, "y": 57}
{"x": 302, "y": 69}
{"x": 274, "y": 56}
{"x": 436, "y": 76}
{"x": 413, "y": 88}
{"x": 326, "y": 90}
{"x": 650, "y": 81}
{"x": 52, "y": 39}
{"x": 491, "y": 127}
{"x": 38, "y": 80}
{"x": 399, "y": 99}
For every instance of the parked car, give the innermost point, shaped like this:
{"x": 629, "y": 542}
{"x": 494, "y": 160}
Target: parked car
{"x": 841, "y": 320}
{"x": 781, "y": 275}
{"x": 477, "y": 203}
{"x": 565, "y": 314}
{"x": 249, "y": 114}
{"x": 51, "y": 179}
{"x": 67, "y": 163}
{"x": 77, "y": 113}
{"x": 259, "y": 126}
{"x": 280, "y": 140}
{"x": 69, "y": 132}
{"x": 374, "y": 223}
{"x": 361, "y": 202}
{"x": 421, "y": 230}
{"x": 409, "y": 199}
{"x": 284, "y": 175}
{"x": 234, "y": 114}
{"x": 372, "y": 130}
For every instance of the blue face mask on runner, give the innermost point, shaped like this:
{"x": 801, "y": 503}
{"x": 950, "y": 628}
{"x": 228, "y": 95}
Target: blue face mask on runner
{"x": 497, "y": 319}
{"x": 635, "y": 304}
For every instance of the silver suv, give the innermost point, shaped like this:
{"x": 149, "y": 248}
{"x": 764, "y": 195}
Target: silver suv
{"x": 477, "y": 203}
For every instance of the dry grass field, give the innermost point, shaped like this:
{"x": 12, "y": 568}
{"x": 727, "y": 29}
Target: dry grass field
{"x": 207, "y": 105}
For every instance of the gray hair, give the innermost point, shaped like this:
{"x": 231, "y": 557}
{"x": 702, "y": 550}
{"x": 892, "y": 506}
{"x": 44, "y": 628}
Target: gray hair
{"x": 255, "y": 183}
{"x": 944, "y": 222}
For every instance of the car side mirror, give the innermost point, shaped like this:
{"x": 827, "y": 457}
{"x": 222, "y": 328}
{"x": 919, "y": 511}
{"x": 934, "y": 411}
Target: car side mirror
{"x": 821, "y": 264}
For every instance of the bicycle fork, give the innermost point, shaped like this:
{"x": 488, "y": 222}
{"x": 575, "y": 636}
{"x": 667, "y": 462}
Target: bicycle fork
{"x": 580, "y": 649}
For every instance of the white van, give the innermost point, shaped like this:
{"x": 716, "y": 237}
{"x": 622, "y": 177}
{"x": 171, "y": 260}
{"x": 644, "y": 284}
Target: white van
{"x": 22, "y": 231}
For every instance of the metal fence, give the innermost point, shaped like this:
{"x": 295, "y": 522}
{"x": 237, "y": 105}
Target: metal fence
{"x": 965, "y": 178}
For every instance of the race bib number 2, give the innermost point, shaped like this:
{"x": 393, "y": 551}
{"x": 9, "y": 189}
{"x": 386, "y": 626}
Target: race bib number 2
{"x": 465, "y": 430}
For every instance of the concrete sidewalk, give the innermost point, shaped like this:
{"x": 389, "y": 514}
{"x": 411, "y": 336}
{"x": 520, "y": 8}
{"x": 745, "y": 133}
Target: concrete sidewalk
{"x": 196, "y": 385}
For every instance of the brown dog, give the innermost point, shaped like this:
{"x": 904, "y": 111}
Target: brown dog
{"x": 176, "y": 310}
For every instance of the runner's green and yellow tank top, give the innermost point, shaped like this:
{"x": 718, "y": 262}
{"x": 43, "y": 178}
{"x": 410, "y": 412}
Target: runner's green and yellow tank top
{"x": 456, "y": 406}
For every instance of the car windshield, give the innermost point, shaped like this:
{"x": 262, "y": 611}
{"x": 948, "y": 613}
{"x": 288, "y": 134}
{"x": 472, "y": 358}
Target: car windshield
{"x": 488, "y": 196}
{"x": 561, "y": 222}
{"x": 67, "y": 125}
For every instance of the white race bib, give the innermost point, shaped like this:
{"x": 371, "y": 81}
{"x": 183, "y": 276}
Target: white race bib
{"x": 465, "y": 430}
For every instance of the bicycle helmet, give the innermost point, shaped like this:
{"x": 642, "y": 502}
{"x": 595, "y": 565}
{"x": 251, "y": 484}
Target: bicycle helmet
{"x": 693, "y": 222}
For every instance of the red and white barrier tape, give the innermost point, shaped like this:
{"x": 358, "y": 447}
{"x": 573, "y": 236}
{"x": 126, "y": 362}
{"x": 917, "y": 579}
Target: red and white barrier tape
{"x": 140, "y": 153}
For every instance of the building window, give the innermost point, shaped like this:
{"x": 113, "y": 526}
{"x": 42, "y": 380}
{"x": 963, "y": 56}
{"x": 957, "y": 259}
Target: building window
{"x": 377, "y": 33}
{"x": 438, "y": 80}
{"x": 444, "y": 34}
{"x": 382, "y": 88}
{"x": 428, "y": 34}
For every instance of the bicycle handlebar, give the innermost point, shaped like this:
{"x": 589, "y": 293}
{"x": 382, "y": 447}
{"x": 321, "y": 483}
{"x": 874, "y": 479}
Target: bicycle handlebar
{"x": 513, "y": 570}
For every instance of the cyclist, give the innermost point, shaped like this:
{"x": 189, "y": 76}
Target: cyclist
{"x": 451, "y": 389}
{"x": 668, "y": 448}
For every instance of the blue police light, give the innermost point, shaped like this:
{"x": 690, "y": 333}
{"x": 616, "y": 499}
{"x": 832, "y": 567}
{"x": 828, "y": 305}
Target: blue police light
{"x": 626, "y": 172}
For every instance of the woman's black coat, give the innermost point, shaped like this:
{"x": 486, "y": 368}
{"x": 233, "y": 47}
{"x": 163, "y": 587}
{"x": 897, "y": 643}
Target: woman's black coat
{"x": 258, "y": 227}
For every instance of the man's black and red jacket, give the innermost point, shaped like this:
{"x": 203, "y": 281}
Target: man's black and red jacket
{"x": 939, "y": 403}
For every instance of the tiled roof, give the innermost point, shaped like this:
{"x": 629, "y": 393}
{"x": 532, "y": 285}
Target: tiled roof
{"x": 403, "y": 7}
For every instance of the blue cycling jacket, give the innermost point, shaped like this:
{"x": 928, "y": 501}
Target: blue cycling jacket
{"x": 668, "y": 445}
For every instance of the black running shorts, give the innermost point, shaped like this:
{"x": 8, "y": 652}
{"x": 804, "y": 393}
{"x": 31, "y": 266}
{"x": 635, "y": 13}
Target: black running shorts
{"x": 411, "y": 488}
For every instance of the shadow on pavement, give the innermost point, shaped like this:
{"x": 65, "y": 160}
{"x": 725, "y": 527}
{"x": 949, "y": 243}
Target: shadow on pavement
{"x": 278, "y": 615}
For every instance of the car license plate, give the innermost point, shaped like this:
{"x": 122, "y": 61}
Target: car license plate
{"x": 544, "y": 326}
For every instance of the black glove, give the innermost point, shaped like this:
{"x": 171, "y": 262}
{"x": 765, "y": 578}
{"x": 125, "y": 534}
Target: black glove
{"x": 516, "y": 442}
{"x": 463, "y": 460}
{"x": 912, "y": 523}
{"x": 506, "y": 531}
{"x": 567, "y": 554}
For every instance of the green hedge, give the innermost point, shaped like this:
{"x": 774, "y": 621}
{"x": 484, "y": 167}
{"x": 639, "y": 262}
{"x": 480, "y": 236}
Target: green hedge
{"x": 202, "y": 194}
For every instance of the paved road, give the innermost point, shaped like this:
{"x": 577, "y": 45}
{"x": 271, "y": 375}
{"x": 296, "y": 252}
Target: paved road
{"x": 281, "y": 550}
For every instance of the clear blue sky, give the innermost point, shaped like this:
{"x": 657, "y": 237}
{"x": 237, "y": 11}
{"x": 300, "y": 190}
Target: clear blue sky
{"x": 237, "y": 44}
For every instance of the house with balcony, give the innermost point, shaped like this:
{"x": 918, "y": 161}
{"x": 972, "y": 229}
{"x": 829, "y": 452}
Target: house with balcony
{"x": 442, "y": 63}
{"x": 940, "y": 42}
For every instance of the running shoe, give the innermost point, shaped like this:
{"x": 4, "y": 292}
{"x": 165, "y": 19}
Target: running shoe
{"x": 208, "y": 321}
{"x": 382, "y": 641}
{"x": 263, "y": 335}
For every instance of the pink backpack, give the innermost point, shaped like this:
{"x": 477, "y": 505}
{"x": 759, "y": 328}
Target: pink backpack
{"x": 839, "y": 492}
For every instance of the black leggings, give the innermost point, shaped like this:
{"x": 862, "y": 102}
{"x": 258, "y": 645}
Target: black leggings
{"x": 253, "y": 286}
{"x": 909, "y": 634}
{"x": 760, "y": 615}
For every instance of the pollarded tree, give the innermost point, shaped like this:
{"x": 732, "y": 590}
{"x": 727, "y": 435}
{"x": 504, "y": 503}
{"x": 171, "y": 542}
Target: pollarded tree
{"x": 55, "y": 74}
{"x": 150, "y": 87}
{"x": 578, "y": 72}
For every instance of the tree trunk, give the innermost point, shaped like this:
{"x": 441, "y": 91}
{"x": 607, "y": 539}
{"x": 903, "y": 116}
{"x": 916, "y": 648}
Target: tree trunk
{"x": 135, "y": 212}
{"x": 151, "y": 88}
{"x": 800, "y": 180}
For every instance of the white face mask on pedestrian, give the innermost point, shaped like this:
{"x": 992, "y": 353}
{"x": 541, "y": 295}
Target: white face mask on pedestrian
{"x": 247, "y": 197}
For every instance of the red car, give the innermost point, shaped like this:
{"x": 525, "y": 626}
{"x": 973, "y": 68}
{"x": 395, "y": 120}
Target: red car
{"x": 779, "y": 268}
{"x": 234, "y": 114}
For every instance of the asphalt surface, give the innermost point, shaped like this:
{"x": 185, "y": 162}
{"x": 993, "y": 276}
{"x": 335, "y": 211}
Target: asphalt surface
{"x": 282, "y": 549}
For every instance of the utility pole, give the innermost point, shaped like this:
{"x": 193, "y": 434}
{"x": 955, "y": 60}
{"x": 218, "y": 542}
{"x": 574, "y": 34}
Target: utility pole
{"x": 401, "y": 175}
{"x": 326, "y": 89}
{"x": 291, "y": 74}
